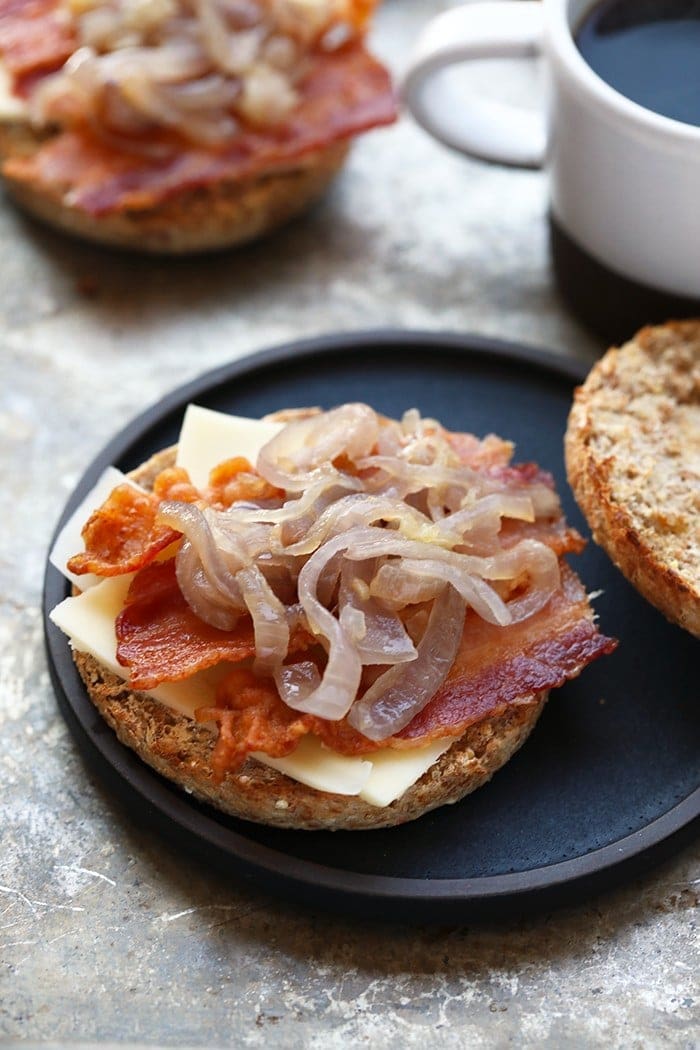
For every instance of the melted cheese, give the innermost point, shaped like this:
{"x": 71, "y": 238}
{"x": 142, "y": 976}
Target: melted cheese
{"x": 208, "y": 438}
{"x": 88, "y": 619}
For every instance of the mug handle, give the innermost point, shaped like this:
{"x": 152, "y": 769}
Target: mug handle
{"x": 485, "y": 128}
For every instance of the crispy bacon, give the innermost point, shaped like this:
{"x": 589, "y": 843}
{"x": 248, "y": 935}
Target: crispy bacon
{"x": 235, "y": 479}
{"x": 495, "y": 667}
{"x": 345, "y": 92}
{"x": 174, "y": 483}
{"x": 251, "y": 717}
{"x": 159, "y": 638}
{"x": 122, "y": 535}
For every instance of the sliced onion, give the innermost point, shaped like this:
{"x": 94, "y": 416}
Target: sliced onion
{"x": 302, "y": 511}
{"x": 477, "y": 594}
{"x": 305, "y": 449}
{"x": 379, "y": 561}
{"x": 413, "y": 477}
{"x": 401, "y": 692}
{"x": 229, "y": 53}
{"x": 396, "y": 588}
{"x": 377, "y": 632}
{"x": 297, "y": 682}
{"x": 486, "y": 513}
{"x": 203, "y": 598}
{"x": 337, "y": 689}
{"x": 208, "y": 92}
{"x": 219, "y": 567}
{"x": 362, "y": 509}
{"x": 169, "y": 64}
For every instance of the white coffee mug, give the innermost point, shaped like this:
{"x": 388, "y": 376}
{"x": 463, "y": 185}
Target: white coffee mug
{"x": 625, "y": 181}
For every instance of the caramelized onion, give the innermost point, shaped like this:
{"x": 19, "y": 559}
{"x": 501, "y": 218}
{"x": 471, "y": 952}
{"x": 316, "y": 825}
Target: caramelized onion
{"x": 206, "y": 601}
{"x": 305, "y": 449}
{"x": 380, "y": 541}
{"x": 269, "y": 621}
{"x": 362, "y": 509}
{"x": 404, "y": 690}
{"x": 377, "y": 632}
{"x": 218, "y": 569}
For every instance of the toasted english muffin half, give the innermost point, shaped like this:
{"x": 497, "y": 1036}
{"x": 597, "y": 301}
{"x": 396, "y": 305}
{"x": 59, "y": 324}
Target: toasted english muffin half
{"x": 633, "y": 461}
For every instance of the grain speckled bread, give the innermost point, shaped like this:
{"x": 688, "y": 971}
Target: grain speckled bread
{"x": 180, "y": 750}
{"x": 221, "y": 215}
{"x": 633, "y": 462}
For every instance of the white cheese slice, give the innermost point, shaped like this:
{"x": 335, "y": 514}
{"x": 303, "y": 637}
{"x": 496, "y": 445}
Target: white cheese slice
{"x": 318, "y": 767}
{"x": 69, "y": 540}
{"x": 88, "y": 620}
{"x": 394, "y": 772}
{"x": 209, "y": 437}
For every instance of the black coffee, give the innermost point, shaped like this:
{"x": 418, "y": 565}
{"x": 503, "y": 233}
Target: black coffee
{"x": 648, "y": 50}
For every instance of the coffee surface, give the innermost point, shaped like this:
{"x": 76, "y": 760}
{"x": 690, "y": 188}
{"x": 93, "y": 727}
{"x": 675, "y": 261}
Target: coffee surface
{"x": 649, "y": 51}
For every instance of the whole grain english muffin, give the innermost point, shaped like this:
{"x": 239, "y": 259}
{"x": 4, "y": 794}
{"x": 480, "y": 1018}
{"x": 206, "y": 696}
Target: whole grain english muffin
{"x": 633, "y": 462}
{"x": 491, "y": 661}
{"x": 181, "y": 750}
{"x": 169, "y": 126}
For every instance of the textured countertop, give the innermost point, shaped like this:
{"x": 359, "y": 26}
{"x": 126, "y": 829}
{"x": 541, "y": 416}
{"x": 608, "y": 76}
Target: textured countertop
{"x": 107, "y": 935}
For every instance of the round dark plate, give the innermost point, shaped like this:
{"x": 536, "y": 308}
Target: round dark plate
{"x": 608, "y": 781}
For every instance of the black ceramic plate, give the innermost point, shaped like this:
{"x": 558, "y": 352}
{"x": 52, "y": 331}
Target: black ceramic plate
{"x": 607, "y": 783}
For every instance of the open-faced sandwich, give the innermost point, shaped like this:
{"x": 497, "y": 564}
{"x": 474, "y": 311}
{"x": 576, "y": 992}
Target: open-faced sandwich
{"x": 181, "y": 125}
{"x": 325, "y": 619}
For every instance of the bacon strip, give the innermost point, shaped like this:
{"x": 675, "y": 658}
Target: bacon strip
{"x": 346, "y": 92}
{"x": 496, "y": 667}
{"x": 122, "y": 535}
{"x": 160, "y": 639}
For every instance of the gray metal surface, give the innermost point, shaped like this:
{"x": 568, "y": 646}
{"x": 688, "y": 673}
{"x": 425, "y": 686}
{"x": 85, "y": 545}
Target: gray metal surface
{"x": 107, "y": 936}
